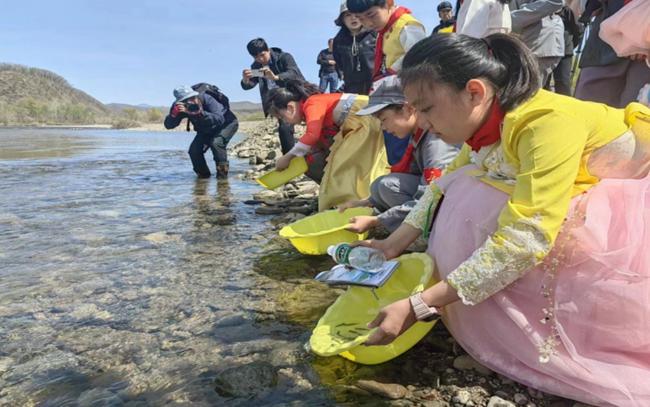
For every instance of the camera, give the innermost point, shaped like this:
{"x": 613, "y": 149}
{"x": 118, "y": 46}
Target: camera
{"x": 192, "y": 107}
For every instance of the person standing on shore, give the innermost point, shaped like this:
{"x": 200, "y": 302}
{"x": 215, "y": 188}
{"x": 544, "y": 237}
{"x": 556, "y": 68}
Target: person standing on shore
{"x": 271, "y": 69}
{"x": 354, "y": 52}
{"x": 329, "y": 71}
{"x": 447, "y": 19}
{"x": 213, "y": 122}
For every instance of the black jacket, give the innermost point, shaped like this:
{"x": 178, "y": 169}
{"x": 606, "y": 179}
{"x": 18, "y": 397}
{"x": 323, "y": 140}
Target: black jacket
{"x": 323, "y": 60}
{"x": 356, "y": 69}
{"x": 215, "y": 117}
{"x": 597, "y": 52}
{"x": 283, "y": 65}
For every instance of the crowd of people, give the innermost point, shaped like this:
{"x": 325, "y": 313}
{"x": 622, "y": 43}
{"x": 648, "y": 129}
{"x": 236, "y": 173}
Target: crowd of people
{"x": 535, "y": 203}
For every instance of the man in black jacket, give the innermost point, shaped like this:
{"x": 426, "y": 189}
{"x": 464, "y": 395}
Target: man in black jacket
{"x": 271, "y": 69}
{"x": 214, "y": 124}
{"x": 328, "y": 72}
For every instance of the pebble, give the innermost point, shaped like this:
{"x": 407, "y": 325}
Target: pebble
{"x": 269, "y": 210}
{"x": 499, "y": 402}
{"x": 520, "y": 399}
{"x": 387, "y": 390}
{"x": 465, "y": 362}
{"x": 462, "y": 397}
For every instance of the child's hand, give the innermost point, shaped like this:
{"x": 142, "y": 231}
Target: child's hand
{"x": 283, "y": 162}
{"x": 361, "y": 224}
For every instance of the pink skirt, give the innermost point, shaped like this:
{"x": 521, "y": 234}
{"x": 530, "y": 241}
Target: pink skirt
{"x": 578, "y": 325}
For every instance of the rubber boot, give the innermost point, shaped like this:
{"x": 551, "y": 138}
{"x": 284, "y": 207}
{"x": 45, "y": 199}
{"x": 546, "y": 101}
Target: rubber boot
{"x": 222, "y": 171}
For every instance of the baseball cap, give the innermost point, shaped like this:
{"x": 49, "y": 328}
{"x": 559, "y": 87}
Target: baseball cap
{"x": 386, "y": 91}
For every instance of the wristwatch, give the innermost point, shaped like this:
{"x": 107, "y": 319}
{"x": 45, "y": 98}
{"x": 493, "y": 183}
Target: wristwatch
{"x": 423, "y": 312}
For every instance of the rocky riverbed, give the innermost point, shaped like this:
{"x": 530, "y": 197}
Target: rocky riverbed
{"x": 435, "y": 373}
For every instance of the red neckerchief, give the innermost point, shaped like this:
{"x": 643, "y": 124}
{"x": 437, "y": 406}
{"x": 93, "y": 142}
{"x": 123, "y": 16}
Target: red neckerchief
{"x": 379, "y": 48}
{"x": 404, "y": 165}
{"x": 490, "y": 131}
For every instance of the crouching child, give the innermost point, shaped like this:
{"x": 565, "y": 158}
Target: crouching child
{"x": 394, "y": 195}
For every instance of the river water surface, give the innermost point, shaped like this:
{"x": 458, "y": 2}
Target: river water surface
{"x": 126, "y": 281}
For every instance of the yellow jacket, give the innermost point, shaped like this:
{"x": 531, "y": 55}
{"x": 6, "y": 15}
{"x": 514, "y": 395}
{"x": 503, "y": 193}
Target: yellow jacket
{"x": 393, "y": 49}
{"x": 541, "y": 162}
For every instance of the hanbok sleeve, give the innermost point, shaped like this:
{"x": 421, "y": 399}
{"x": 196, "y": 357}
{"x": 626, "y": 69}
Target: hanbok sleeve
{"x": 420, "y": 215}
{"x": 549, "y": 150}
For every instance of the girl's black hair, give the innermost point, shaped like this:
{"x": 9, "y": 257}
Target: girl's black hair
{"x": 293, "y": 91}
{"x": 359, "y": 6}
{"x": 454, "y": 59}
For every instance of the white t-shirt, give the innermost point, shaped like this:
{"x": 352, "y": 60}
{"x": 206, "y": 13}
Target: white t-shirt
{"x": 480, "y": 18}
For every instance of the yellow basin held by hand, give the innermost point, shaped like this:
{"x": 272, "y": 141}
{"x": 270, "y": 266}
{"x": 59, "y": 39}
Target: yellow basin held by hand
{"x": 314, "y": 234}
{"x": 343, "y": 328}
{"x": 275, "y": 178}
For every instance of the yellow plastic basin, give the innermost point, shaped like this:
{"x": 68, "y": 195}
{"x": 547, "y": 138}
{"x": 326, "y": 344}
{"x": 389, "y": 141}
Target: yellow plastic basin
{"x": 314, "y": 234}
{"x": 343, "y": 328}
{"x": 274, "y": 179}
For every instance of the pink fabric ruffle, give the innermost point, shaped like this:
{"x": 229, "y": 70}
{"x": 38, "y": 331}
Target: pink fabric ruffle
{"x": 598, "y": 293}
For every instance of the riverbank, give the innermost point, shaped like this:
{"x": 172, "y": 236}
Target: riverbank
{"x": 435, "y": 373}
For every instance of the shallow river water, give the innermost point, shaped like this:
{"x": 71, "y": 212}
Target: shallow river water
{"x": 126, "y": 281}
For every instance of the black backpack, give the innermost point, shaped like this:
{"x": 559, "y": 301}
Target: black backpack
{"x": 212, "y": 90}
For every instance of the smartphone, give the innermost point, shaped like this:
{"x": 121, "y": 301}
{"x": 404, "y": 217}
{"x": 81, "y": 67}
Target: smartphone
{"x": 257, "y": 73}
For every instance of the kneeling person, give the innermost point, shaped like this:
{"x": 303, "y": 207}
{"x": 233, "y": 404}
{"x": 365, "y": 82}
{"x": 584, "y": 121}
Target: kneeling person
{"x": 213, "y": 122}
{"x": 394, "y": 195}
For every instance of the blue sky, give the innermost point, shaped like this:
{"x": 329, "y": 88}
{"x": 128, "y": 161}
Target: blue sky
{"x": 137, "y": 51}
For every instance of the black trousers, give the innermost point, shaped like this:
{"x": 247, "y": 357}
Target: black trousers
{"x": 286, "y": 132}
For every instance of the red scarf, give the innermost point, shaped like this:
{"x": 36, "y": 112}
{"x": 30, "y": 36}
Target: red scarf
{"x": 490, "y": 131}
{"x": 379, "y": 49}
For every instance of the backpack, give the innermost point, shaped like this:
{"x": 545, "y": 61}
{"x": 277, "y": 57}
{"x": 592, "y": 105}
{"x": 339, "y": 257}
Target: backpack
{"x": 212, "y": 90}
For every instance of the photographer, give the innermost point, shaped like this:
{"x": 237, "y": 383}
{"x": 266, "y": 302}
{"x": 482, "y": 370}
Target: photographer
{"x": 214, "y": 124}
{"x": 271, "y": 69}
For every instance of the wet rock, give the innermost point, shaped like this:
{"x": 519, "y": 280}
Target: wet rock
{"x": 387, "y": 390}
{"x": 434, "y": 403}
{"x": 5, "y": 364}
{"x": 161, "y": 238}
{"x": 266, "y": 194}
{"x": 246, "y": 381}
{"x": 230, "y": 321}
{"x": 89, "y": 311}
{"x": 293, "y": 381}
{"x": 269, "y": 210}
{"x": 465, "y": 362}
{"x": 499, "y": 402}
{"x": 520, "y": 399}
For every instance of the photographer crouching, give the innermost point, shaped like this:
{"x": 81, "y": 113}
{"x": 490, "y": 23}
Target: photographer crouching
{"x": 212, "y": 120}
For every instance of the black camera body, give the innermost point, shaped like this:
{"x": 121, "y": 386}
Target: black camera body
{"x": 192, "y": 107}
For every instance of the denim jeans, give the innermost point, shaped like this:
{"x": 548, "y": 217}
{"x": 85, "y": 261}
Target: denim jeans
{"x": 331, "y": 79}
{"x": 218, "y": 144}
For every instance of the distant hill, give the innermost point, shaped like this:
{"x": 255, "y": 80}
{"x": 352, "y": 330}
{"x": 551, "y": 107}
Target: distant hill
{"x": 33, "y": 96}
{"x": 36, "y": 96}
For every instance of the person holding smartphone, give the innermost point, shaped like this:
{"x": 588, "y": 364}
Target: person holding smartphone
{"x": 271, "y": 69}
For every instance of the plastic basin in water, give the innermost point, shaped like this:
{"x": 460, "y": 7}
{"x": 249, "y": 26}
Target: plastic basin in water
{"x": 314, "y": 234}
{"x": 274, "y": 179}
{"x": 343, "y": 328}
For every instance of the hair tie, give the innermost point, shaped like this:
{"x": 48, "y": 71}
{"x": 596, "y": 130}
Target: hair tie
{"x": 489, "y": 48}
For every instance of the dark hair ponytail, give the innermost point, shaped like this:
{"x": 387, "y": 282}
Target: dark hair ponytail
{"x": 293, "y": 91}
{"x": 455, "y": 59}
